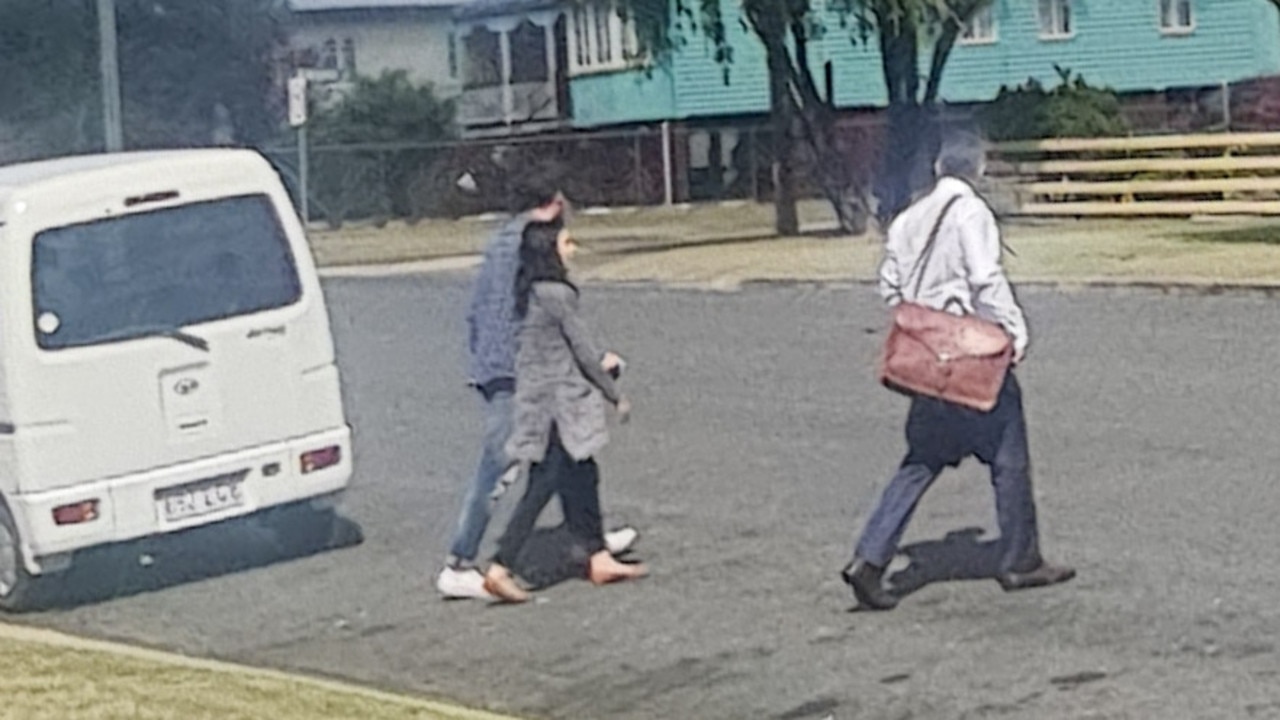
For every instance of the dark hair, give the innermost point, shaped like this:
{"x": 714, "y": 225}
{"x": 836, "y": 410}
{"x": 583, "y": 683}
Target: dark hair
{"x": 539, "y": 261}
{"x": 529, "y": 197}
{"x": 534, "y": 187}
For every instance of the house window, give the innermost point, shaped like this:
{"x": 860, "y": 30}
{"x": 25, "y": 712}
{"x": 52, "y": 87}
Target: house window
{"x": 453, "y": 56}
{"x": 483, "y": 59}
{"x": 1176, "y": 16}
{"x": 329, "y": 56}
{"x": 601, "y": 40}
{"x": 349, "y": 57}
{"x": 529, "y": 54}
{"x": 980, "y": 29}
{"x": 1055, "y": 19}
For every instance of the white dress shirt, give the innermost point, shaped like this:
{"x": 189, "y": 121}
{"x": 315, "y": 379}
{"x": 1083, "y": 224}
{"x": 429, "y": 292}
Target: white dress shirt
{"x": 964, "y": 274}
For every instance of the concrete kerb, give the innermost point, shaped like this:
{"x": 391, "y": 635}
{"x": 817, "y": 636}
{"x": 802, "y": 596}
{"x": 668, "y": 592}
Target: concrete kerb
{"x": 50, "y": 638}
{"x": 1168, "y": 286}
{"x": 1172, "y": 286}
{"x": 449, "y": 263}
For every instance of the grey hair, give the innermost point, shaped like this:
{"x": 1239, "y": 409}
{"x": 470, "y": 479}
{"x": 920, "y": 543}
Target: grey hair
{"x": 963, "y": 155}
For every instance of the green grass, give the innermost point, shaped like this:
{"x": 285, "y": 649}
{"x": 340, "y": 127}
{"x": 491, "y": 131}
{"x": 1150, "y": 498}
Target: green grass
{"x": 732, "y": 243}
{"x": 43, "y": 681}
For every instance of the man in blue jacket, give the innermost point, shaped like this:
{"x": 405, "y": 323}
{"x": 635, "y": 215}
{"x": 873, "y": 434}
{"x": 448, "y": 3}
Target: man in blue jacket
{"x": 492, "y": 342}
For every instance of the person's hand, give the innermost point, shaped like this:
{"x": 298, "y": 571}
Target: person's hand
{"x": 624, "y": 409}
{"x": 610, "y": 362}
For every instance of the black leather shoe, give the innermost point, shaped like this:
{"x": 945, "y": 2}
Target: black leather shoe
{"x": 1043, "y": 576}
{"x": 866, "y": 580}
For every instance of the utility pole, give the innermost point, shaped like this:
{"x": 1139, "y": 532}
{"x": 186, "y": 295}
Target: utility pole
{"x": 110, "y": 63}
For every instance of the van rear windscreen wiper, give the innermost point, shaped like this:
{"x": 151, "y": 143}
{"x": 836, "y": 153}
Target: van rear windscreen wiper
{"x": 176, "y": 333}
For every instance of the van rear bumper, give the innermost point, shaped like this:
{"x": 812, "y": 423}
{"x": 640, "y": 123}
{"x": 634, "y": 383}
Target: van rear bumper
{"x": 134, "y": 506}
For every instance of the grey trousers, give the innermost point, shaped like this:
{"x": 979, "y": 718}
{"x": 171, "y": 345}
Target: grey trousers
{"x": 942, "y": 434}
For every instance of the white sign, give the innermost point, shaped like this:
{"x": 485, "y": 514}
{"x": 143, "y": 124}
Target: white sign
{"x": 297, "y": 100}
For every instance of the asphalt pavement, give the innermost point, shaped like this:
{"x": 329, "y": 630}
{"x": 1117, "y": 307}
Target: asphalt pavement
{"x": 758, "y": 443}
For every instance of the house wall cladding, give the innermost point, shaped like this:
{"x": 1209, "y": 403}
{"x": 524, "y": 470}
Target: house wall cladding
{"x": 1116, "y": 43}
{"x": 1119, "y": 43}
{"x": 416, "y": 41}
{"x": 631, "y": 97}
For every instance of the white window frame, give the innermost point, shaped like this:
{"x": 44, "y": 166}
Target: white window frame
{"x": 1167, "y": 10}
{"x": 984, "y": 20}
{"x": 590, "y": 51}
{"x": 1057, "y": 18}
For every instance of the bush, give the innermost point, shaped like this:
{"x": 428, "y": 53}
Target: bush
{"x": 381, "y": 184}
{"x": 1073, "y": 109}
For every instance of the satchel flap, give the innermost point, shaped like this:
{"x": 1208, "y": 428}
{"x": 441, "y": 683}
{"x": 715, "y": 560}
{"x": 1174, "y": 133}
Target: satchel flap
{"x": 950, "y": 336}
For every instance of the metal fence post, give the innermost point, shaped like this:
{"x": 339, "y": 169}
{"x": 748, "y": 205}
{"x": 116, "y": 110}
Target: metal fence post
{"x": 303, "y": 162}
{"x": 639, "y": 170}
{"x": 667, "y": 180}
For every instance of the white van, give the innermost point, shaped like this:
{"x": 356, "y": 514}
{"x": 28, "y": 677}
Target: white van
{"x": 165, "y": 356}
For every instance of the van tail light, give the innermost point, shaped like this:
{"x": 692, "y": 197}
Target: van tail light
{"x": 74, "y": 514}
{"x": 321, "y": 459}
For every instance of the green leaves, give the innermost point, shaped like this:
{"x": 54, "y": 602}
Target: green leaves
{"x": 388, "y": 108}
{"x": 191, "y": 71}
{"x": 48, "y": 79}
{"x": 1072, "y": 109}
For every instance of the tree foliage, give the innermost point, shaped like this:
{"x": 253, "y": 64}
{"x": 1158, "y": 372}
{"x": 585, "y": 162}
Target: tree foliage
{"x": 48, "y": 79}
{"x": 901, "y": 29}
{"x": 384, "y": 180}
{"x": 388, "y": 108}
{"x": 192, "y": 72}
{"x": 1072, "y": 109}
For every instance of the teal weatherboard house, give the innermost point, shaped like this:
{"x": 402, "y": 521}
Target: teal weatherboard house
{"x": 584, "y": 54}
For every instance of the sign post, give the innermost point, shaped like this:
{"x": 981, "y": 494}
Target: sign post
{"x": 298, "y": 119}
{"x": 109, "y": 62}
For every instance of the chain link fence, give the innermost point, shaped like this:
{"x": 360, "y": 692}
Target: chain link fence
{"x": 641, "y": 166}
{"x": 449, "y": 180}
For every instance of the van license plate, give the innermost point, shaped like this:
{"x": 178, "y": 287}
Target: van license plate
{"x": 202, "y": 497}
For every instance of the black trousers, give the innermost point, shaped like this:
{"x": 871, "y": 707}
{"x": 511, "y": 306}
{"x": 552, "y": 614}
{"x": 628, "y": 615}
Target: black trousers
{"x": 578, "y": 485}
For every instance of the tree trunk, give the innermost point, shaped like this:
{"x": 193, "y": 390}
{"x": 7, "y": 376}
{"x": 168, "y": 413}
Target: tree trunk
{"x": 818, "y": 120}
{"x": 787, "y": 219}
{"x": 900, "y": 61}
{"x": 833, "y": 174}
{"x": 913, "y": 136}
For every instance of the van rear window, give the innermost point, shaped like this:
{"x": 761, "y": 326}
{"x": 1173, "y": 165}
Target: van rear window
{"x": 160, "y": 271}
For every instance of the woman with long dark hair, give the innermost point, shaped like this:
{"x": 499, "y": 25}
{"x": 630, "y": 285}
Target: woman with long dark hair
{"x": 562, "y": 383}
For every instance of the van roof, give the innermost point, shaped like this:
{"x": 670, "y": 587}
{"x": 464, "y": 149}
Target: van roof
{"x": 15, "y": 177}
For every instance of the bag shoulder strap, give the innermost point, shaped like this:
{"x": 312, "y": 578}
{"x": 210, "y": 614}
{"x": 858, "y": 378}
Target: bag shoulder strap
{"x": 923, "y": 261}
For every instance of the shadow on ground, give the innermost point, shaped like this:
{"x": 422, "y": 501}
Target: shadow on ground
{"x": 627, "y": 245}
{"x": 1254, "y": 235}
{"x": 156, "y": 563}
{"x": 961, "y": 555}
{"x": 552, "y": 556}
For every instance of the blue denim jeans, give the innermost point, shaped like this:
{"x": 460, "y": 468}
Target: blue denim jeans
{"x": 477, "y": 507}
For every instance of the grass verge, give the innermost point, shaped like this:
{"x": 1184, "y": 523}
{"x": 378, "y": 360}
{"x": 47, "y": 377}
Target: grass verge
{"x": 71, "y": 679}
{"x": 732, "y": 243}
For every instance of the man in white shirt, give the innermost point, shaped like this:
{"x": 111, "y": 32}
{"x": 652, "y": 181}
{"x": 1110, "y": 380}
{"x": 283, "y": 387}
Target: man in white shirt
{"x": 964, "y": 276}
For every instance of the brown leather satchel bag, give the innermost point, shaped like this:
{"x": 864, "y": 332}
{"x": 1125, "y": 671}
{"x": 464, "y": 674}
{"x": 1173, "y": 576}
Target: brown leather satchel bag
{"x": 962, "y": 359}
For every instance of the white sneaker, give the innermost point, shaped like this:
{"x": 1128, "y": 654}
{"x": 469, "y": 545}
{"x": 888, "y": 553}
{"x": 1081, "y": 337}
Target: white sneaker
{"x": 620, "y": 541}
{"x": 462, "y": 584}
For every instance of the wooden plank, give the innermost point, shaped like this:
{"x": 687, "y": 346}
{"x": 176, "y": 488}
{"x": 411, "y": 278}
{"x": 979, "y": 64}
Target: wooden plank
{"x": 1135, "y": 187}
{"x": 1136, "y": 144}
{"x": 1131, "y": 209}
{"x": 1135, "y": 165}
